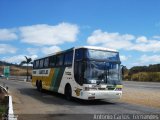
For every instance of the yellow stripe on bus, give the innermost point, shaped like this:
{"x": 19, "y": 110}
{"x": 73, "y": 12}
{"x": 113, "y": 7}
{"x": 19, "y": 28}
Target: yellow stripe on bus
{"x": 46, "y": 80}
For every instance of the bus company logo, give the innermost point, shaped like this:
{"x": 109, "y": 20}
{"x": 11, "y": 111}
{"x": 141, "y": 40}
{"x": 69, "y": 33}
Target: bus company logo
{"x": 77, "y": 91}
{"x": 68, "y": 73}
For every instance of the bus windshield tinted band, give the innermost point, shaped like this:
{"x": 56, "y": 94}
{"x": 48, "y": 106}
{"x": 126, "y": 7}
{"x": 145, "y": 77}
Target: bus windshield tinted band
{"x": 102, "y": 55}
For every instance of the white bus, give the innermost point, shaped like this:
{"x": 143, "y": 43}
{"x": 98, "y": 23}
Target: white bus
{"x": 85, "y": 72}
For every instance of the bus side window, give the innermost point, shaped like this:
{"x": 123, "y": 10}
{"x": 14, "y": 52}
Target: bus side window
{"x": 41, "y": 63}
{"x": 68, "y": 58}
{"x": 46, "y": 62}
{"x": 34, "y": 64}
{"x": 52, "y": 61}
{"x": 59, "y": 60}
{"x": 79, "y": 54}
{"x": 37, "y": 64}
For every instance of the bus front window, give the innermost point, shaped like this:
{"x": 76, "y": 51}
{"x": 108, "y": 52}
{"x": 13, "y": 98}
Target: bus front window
{"x": 102, "y": 72}
{"x": 97, "y": 67}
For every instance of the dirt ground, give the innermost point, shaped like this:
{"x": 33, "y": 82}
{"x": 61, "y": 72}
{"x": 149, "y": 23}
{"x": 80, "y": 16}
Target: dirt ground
{"x": 143, "y": 97}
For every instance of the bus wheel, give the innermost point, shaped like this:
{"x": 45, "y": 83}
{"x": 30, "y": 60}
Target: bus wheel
{"x": 37, "y": 84}
{"x": 68, "y": 92}
{"x": 40, "y": 86}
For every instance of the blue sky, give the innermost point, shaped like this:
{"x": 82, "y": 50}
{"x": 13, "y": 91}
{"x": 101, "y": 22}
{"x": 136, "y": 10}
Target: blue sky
{"x": 38, "y": 27}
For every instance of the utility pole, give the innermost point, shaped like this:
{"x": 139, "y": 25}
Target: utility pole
{"x": 27, "y": 71}
{"x": 28, "y": 60}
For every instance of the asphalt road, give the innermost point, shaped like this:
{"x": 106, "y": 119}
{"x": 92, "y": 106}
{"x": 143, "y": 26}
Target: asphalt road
{"x": 155, "y": 86}
{"x": 29, "y": 104}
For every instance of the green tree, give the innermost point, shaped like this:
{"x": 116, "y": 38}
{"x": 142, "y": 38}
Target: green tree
{"x": 27, "y": 61}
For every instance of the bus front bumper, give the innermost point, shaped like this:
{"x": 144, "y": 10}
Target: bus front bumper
{"x": 108, "y": 95}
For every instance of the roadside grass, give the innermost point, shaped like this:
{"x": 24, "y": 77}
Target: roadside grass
{"x": 144, "y": 77}
{"x": 3, "y": 102}
{"x": 3, "y": 109}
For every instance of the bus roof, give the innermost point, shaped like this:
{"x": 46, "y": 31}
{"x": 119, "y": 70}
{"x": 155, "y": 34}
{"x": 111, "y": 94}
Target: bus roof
{"x": 97, "y": 48}
{"x": 87, "y": 47}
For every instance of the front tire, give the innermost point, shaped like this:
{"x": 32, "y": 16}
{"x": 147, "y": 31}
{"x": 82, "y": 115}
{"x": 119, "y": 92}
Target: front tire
{"x": 68, "y": 92}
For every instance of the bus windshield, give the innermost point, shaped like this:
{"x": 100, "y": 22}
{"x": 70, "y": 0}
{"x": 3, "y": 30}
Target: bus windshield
{"x": 102, "y": 55}
{"x": 102, "y": 72}
{"x": 97, "y": 67}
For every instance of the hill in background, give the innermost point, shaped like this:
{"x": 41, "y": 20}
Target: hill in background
{"x": 143, "y": 73}
{"x": 15, "y": 69}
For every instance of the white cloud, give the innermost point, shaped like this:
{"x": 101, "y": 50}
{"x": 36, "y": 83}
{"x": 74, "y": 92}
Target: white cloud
{"x": 44, "y": 50}
{"x": 123, "y": 41}
{"x": 156, "y": 37}
{"x": 5, "y": 48}
{"x": 123, "y": 58}
{"x": 145, "y": 60}
{"x": 150, "y": 46}
{"x": 7, "y": 34}
{"x": 50, "y": 50}
{"x": 118, "y": 44}
{"x": 141, "y": 39}
{"x": 32, "y": 51}
{"x": 18, "y": 58}
{"x": 153, "y": 59}
{"x": 99, "y": 37}
{"x": 43, "y": 34}
{"x": 111, "y": 40}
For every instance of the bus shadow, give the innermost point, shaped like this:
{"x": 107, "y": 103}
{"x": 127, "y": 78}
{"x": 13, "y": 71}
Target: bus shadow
{"x": 50, "y": 97}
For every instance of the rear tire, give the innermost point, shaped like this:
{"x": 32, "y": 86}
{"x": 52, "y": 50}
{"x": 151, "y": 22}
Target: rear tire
{"x": 68, "y": 92}
{"x": 40, "y": 86}
{"x": 37, "y": 84}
